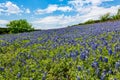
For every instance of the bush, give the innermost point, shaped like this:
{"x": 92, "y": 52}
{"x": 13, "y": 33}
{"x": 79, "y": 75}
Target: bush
{"x": 18, "y": 26}
{"x": 117, "y": 16}
{"x": 3, "y": 30}
{"x": 105, "y": 17}
{"x": 89, "y": 21}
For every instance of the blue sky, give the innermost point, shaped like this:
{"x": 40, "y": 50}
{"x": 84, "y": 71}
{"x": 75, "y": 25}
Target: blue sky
{"x": 49, "y": 14}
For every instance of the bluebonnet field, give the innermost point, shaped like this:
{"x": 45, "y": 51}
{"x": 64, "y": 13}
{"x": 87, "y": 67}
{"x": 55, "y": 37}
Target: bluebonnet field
{"x": 86, "y": 52}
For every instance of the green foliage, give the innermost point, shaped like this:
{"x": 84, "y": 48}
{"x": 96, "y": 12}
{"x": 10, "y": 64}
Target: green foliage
{"x": 105, "y": 17}
{"x": 17, "y": 26}
{"x": 89, "y": 21}
{"x": 3, "y": 30}
{"x": 117, "y": 16}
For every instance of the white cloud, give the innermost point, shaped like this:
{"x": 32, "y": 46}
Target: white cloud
{"x": 64, "y": 9}
{"x": 84, "y": 2}
{"x": 97, "y": 2}
{"x": 27, "y": 10}
{"x": 52, "y": 22}
{"x": 3, "y": 23}
{"x": 79, "y": 5}
{"x": 96, "y": 12}
{"x": 9, "y": 8}
{"x": 52, "y": 8}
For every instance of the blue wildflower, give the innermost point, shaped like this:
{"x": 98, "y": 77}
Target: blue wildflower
{"x": 78, "y": 78}
{"x": 1, "y": 69}
{"x": 110, "y": 72}
{"x": 100, "y": 58}
{"x": 79, "y": 68}
{"x": 117, "y": 65}
{"x": 95, "y": 64}
{"x": 18, "y": 75}
{"x": 110, "y": 52}
{"x": 105, "y": 60}
{"x": 82, "y": 56}
{"x": 103, "y": 76}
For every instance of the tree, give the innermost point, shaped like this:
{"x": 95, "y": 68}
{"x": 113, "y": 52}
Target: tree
{"x": 17, "y": 26}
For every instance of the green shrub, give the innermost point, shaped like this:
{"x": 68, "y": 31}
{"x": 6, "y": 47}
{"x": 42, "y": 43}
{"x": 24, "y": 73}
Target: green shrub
{"x": 117, "y": 16}
{"x": 105, "y": 17}
{"x": 3, "y": 30}
{"x": 89, "y": 21}
{"x": 17, "y": 26}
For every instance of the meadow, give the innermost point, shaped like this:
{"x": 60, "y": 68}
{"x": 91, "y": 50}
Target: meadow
{"x": 85, "y": 52}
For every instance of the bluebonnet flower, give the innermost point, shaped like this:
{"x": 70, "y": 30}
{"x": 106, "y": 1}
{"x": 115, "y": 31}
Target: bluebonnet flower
{"x": 105, "y": 71}
{"x": 95, "y": 64}
{"x": 117, "y": 65}
{"x": 31, "y": 78}
{"x": 110, "y": 72}
{"x": 97, "y": 71}
{"x": 103, "y": 75}
{"x": 33, "y": 70}
{"x": 100, "y": 50}
{"x": 72, "y": 54}
{"x": 105, "y": 59}
{"x": 117, "y": 48}
{"x": 83, "y": 56}
{"x": 101, "y": 58}
{"x": 76, "y": 52}
{"x": 18, "y": 75}
{"x": 79, "y": 68}
{"x": 102, "y": 38}
{"x": 44, "y": 76}
{"x": 105, "y": 43}
{"x": 110, "y": 52}
{"x": 115, "y": 79}
{"x": 2, "y": 69}
{"x": 94, "y": 46}
{"x": 78, "y": 78}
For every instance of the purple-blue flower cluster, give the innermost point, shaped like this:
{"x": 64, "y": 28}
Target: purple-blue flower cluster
{"x": 86, "y": 52}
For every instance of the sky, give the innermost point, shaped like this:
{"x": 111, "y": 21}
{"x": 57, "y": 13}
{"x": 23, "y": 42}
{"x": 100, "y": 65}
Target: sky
{"x": 52, "y": 14}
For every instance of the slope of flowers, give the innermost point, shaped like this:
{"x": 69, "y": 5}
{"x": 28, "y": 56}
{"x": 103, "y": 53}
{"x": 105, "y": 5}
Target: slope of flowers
{"x": 87, "y": 52}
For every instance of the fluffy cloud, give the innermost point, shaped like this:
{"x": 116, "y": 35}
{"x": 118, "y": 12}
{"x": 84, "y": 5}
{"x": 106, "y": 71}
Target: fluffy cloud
{"x": 27, "y": 10}
{"x": 52, "y": 8}
{"x": 79, "y": 3}
{"x": 3, "y": 23}
{"x": 9, "y": 8}
{"x": 96, "y": 12}
{"x": 53, "y": 22}
{"x": 64, "y": 9}
{"x": 82, "y": 5}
